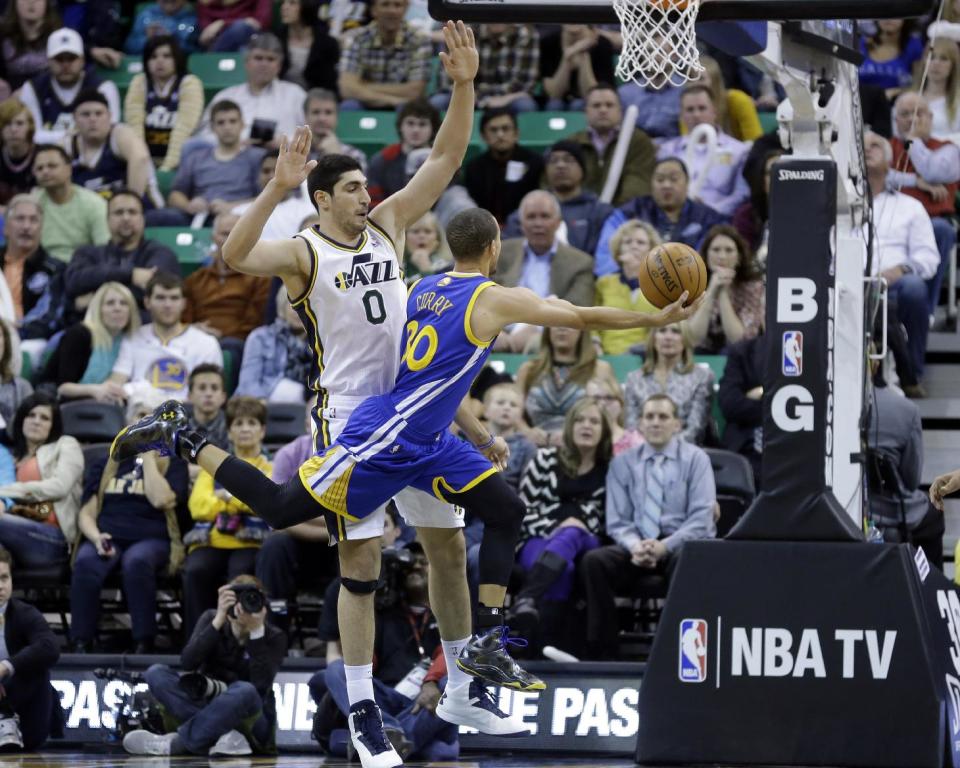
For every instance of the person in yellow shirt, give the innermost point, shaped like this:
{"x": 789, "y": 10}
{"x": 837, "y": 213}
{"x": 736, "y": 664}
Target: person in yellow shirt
{"x": 736, "y": 112}
{"x": 632, "y": 241}
{"x": 227, "y": 535}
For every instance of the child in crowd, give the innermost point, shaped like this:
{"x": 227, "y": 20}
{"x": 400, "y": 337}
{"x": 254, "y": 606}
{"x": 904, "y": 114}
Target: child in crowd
{"x": 503, "y": 411}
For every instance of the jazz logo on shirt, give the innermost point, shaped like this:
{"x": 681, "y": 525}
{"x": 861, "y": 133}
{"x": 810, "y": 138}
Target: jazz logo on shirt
{"x": 793, "y": 353}
{"x": 693, "y": 651}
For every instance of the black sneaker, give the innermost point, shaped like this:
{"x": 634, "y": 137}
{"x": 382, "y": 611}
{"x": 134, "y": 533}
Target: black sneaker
{"x": 156, "y": 432}
{"x": 486, "y": 657}
{"x": 368, "y": 738}
{"x": 189, "y": 443}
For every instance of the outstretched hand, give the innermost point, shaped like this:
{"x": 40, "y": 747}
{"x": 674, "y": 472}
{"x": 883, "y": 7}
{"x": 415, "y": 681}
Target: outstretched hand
{"x": 293, "y": 167}
{"x": 676, "y": 312}
{"x": 461, "y": 59}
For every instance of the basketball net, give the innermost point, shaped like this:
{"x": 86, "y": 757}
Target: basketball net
{"x": 659, "y": 41}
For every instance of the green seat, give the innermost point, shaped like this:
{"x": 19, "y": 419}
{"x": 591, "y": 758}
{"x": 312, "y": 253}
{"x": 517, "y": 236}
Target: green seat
{"x": 217, "y": 71}
{"x": 538, "y": 130}
{"x": 129, "y": 66}
{"x": 192, "y": 246}
{"x": 768, "y": 121}
{"x": 165, "y": 181}
{"x": 368, "y": 131}
{"x": 26, "y": 366}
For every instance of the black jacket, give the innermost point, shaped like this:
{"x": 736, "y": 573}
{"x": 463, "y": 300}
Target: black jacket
{"x": 321, "y": 68}
{"x": 32, "y": 646}
{"x": 219, "y": 655}
{"x": 486, "y": 180}
{"x": 93, "y": 265}
{"x": 746, "y": 364}
{"x": 44, "y": 300}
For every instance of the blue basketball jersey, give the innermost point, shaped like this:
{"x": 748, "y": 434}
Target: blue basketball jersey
{"x": 441, "y": 356}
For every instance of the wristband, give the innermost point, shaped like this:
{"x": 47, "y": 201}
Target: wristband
{"x": 487, "y": 445}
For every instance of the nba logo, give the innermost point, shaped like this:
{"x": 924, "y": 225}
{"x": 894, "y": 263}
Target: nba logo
{"x": 792, "y": 353}
{"x": 693, "y": 651}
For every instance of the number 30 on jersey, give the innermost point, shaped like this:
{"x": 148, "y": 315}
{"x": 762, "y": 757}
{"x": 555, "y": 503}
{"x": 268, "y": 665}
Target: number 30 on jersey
{"x": 421, "y": 346}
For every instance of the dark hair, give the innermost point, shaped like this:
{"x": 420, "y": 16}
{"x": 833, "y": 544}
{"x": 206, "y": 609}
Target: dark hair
{"x": 90, "y": 94}
{"x": 309, "y": 13}
{"x": 163, "y": 280}
{"x": 270, "y": 154}
{"x": 6, "y": 359}
{"x": 179, "y": 57}
{"x": 662, "y": 396}
{"x": 10, "y": 27}
{"x": 490, "y": 114}
{"x": 758, "y": 187}
{"x": 328, "y": 172}
{"x": 602, "y": 86}
{"x": 27, "y": 405}
{"x": 470, "y": 232}
{"x": 697, "y": 88}
{"x": 205, "y": 368}
{"x": 677, "y": 160}
{"x": 906, "y": 32}
{"x": 5, "y": 556}
{"x": 125, "y": 193}
{"x": 569, "y": 454}
{"x": 747, "y": 268}
{"x": 52, "y": 148}
{"x": 246, "y": 578}
{"x": 224, "y": 105}
{"x": 240, "y": 406}
{"x": 420, "y": 108}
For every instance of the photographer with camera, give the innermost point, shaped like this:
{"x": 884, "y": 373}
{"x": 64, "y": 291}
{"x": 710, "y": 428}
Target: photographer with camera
{"x": 224, "y": 701}
{"x": 409, "y": 671}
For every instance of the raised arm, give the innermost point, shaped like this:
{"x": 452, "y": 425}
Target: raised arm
{"x": 498, "y": 307}
{"x": 450, "y": 145}
{"x": 244, "y": 251}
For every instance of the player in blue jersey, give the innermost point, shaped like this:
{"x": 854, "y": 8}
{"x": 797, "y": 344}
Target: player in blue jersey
{"x": 402, "y": 438}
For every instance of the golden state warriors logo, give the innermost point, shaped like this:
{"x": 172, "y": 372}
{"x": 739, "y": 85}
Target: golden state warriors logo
{"x": 365, "y": 271}
{"x": 443, "y": 281}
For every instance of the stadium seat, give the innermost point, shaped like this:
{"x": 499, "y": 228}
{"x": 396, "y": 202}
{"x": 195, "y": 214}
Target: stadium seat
{"x": 285, "y": 423}
{"x": 94, "y": 452}
{"x": 768, "y": 121}
{"x": 735, "y": 490}
{"x": 129, "y": 66}
{"x": 368, "y": 131}
{"x": 165, "y": 181}
{"x": 217, "y": 71}
{"x": 92, "y": 422}
{"x": 539, "y": 130}
{"x": 192, "y": 246}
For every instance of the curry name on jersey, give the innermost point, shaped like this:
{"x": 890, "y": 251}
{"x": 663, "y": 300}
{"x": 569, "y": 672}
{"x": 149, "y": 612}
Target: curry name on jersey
{"x": 441, "y": 355}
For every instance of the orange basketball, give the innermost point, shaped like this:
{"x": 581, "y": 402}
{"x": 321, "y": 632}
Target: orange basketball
{"x": 670, "y": 269}
{"x": 670, "y": 5}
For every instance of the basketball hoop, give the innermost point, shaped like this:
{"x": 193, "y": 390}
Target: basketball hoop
{"x": 659, "y": 41}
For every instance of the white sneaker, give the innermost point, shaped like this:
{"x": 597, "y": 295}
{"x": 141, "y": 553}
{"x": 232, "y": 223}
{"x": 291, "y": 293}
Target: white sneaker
{"x": 10, "y": 736}
{"x": 369, "y": 740}
{"x": 146, "y": 743}
{"x": 473, "y": 705}
{"x": 231, "y": 743}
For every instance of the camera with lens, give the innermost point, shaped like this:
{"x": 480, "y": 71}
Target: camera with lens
{"x": 199, "y": 687}
{"x": 395, "y": 565}
{"x": 250, "y": 597}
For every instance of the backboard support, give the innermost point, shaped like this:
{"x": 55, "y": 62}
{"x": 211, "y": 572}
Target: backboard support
{"x": 601, "y": 11}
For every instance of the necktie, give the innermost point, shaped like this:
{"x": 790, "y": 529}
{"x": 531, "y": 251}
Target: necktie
{"x": 653, "y": 500}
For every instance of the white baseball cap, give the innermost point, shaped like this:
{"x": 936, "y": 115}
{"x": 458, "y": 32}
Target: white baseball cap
{"x": 64, "y": 40}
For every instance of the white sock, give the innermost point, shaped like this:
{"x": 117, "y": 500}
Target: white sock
{"x": 359, "y": 682}
{"x": 451, "y": 651}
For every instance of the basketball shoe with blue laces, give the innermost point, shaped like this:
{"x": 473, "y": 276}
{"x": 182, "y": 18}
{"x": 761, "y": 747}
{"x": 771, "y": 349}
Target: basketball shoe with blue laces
{"x": 368, "y": 737}
{"x": 486, "y": 657}
{"x": 472, "y": 704}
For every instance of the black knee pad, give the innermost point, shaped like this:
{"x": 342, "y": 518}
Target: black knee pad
{"x": 360, "y": 587}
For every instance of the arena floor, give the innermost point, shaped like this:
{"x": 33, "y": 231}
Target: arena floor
{"x": 59, "y": 759}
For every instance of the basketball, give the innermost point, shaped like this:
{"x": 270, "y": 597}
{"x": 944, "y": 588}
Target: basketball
{"x": 670, "y": 5}
{"x": 670, "y": 269}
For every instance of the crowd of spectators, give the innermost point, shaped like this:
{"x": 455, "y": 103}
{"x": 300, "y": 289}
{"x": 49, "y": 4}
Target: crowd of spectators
{"x": 609, "y": 460}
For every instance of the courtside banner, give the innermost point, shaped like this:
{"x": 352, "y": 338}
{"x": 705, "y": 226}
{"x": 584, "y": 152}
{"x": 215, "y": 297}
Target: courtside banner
{"x": 587, "y": 707}
{"x": 801, "y": 653}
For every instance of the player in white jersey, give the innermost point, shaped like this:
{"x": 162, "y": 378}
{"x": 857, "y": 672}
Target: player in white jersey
{"x": 343, "y": 278}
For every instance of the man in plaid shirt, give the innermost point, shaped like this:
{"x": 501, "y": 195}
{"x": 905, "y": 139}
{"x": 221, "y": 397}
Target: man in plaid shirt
{"x": 387, "y": 63}
{"x": 509, "y": 69}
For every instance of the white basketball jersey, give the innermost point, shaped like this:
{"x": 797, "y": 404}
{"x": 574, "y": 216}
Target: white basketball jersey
{"x": 354, "y": 311}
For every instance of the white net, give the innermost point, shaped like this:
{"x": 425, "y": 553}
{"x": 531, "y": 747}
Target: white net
{"x": 659, "y": 41}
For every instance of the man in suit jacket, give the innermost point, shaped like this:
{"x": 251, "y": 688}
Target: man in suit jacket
{"x": 540, "y": 262}
{"x": 29, "y": 706}
{"x": 741, "y": 399}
